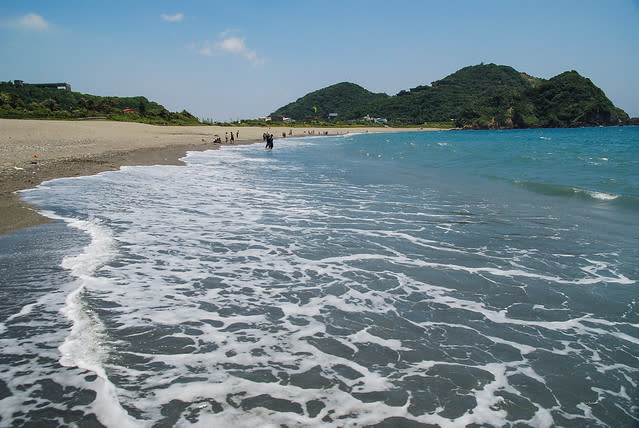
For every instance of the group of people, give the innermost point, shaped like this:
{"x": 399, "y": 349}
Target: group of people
{"x": 269, "y": 140}
{"x": 218, "y": 139}
{"x": 268, "y": 137}
{"x": 237, "y": 134}
{"x": 312, "y": 132}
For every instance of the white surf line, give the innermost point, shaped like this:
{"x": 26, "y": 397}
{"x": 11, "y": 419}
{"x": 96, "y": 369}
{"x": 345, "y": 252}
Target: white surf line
{"x": 83, "y": 347}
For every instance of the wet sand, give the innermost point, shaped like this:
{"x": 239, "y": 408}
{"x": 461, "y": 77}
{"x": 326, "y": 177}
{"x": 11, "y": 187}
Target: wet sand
{"x": 78, "y": 148}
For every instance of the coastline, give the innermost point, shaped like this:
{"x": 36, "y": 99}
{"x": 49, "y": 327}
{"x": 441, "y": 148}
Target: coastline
{"x": 80, "y": 148}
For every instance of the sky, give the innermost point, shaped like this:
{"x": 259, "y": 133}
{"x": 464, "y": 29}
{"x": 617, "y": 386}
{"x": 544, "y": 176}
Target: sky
{"x": 230, "y": 60}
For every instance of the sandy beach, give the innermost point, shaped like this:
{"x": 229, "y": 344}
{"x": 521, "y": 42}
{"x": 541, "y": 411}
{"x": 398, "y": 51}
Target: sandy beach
{"x": 76, "y": 148}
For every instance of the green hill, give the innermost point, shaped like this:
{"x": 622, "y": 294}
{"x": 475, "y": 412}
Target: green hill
{"x": 339, "y": 98}
{"x": 480, "y": 96}
{"x": 31, "y": 101}
{"x": 445, "y": 99}
{"x": 566, "y": 100}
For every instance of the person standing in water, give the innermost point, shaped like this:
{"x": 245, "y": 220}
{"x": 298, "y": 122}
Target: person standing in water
{"x": 269, "y": 142}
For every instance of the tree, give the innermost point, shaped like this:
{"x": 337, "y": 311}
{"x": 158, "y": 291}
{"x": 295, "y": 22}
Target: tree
{"x": 50, "y": 103}
{"x": 15, "y": 101}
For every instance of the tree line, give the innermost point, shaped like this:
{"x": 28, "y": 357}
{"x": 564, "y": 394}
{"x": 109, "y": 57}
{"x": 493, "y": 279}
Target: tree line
{"x": 29, "y": 101}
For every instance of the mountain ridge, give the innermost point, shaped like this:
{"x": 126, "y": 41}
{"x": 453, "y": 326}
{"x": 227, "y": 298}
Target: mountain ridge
{"x": 480, "y": 97}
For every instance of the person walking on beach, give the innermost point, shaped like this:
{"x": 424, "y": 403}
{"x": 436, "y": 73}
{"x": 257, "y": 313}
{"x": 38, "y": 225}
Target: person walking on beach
{"x": 232, "y": 138}
{"x": 226, "y": 137}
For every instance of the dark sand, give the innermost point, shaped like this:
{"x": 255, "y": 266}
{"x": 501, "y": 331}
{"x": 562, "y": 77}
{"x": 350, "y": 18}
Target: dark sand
{"x": 78, "y": 148}
{"x": 17, "y": 214}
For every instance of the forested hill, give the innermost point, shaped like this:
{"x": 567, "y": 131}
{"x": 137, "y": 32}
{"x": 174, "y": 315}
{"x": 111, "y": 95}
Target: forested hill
{"x": 30, "y": 101}
{"x": 339, "y": 98}
{"x": 480, "y": 96}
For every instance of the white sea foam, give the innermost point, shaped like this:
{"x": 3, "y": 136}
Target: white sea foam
{"x": 25, "y": 310}
{"x": 248, "y": 291}
{"x": 601, "y": 195}
{"x": 84, "y": 346}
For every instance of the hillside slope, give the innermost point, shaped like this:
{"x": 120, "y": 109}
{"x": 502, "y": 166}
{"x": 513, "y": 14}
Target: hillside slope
{"x": 480, "y": 96}
{"x": 340, "y": 98}
{"x": 27, "y": 101}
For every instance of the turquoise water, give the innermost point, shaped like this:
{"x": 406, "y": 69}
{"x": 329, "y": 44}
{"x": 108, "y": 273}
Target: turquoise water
{"x": 599, "y": 163}
{"x": 447, "y": 278}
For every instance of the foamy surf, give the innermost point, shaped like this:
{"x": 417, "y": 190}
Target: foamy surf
{"x": 85, "y": 346}
{"x": 599, "y": 195}
{"x": 316, "y": 286}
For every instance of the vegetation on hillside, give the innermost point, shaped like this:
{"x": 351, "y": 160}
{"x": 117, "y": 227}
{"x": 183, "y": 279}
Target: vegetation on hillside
{"x": 32, "y": 102}
{"x": 337, "y": 98}
{"x": 445, "y": 99}
{"x": 566, "y": 100}
{"x": 480, "y": 96}
{"x": 477, "y": 97}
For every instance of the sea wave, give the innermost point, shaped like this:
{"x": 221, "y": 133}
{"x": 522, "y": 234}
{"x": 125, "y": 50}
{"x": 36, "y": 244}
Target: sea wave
{"x": 576, "y": 192}
{"x": 84, "y": 346}
{"x": 306, "y": 287}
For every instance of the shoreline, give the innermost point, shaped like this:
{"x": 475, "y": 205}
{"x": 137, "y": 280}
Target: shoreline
{"x": 82, "y": 148}
{"x": 17, "y": 214}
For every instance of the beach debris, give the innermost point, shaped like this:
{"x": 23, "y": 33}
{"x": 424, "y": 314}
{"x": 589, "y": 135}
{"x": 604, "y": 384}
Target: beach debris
{"x": 35, "y": 159}
{"x": 17, "y": 168}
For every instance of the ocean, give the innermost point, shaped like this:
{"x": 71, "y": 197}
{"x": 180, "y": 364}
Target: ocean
{"x": 453, "y": 278}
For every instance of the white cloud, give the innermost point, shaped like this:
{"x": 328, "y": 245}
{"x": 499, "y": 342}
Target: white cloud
{"x": 172, "y": 18}
{"x": 228, "y": 45}
{"x": 225, "y": 33}
{"x": 32, "y": 21}
{"x": 232, "y": 45}
{"x": 205, "y": 50}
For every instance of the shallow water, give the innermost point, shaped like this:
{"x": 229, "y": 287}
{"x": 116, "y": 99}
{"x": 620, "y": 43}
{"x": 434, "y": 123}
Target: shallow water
{"x": 444, "y": 278}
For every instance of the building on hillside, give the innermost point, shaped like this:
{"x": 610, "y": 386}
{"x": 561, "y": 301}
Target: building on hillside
{"x": 20, "y": 84}
{"x": 375, "y": 119}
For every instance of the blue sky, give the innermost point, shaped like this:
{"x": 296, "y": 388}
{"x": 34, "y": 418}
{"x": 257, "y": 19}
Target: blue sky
{"x": 243, "y": 59}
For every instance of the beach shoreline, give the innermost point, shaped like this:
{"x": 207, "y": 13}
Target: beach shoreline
{"x": 81, "y": 148}
{"x": 17, "y": 214}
